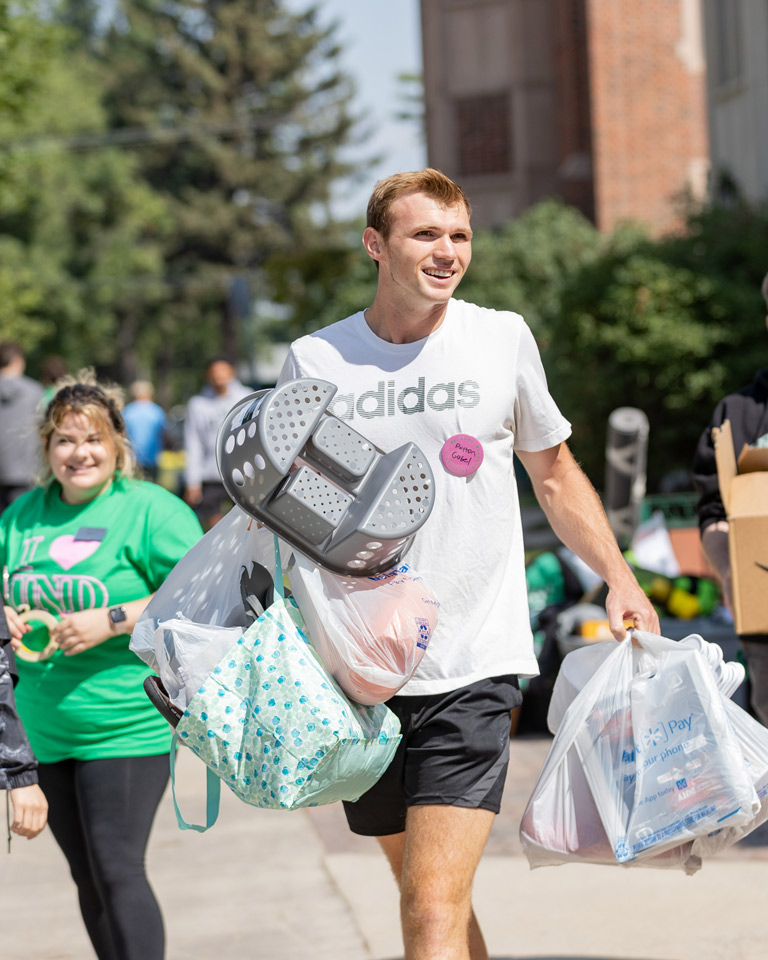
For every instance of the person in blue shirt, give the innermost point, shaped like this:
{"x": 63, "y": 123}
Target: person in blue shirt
{"x": 145, "y": 424}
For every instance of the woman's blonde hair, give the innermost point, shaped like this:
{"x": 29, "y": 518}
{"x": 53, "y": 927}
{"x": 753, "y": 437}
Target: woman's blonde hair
{"x": 100, "y": 403}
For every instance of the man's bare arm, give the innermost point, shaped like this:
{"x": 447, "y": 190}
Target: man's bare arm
{"x": 578, "y": 519}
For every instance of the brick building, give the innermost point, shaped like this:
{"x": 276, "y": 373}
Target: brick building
{"x": 600, "y": 102}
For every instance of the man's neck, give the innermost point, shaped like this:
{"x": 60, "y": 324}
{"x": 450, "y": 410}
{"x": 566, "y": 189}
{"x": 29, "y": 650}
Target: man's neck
{"x": 397, "y": 325}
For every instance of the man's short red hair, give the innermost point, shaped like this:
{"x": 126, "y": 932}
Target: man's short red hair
{"x": 431, "y": 182}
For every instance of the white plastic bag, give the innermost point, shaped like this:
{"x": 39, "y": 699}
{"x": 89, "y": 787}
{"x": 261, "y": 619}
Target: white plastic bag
{"x": 753, "y": 739}
{"x": 644, "y": 762}
{"x": 370, "y": 632}
{"x": 198, "y": 612}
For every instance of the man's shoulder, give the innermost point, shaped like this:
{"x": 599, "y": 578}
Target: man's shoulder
{"x": 237, "y": 391}
{"x": 20, "y": 390}
{"x": 755, "y": 391}
{"x": 335, "y": 339}
{"x": 333, "y": 331}
{"x": 199, "y": 400}
{"x": 33, "y": 386}
{"x": 463, "y": 308}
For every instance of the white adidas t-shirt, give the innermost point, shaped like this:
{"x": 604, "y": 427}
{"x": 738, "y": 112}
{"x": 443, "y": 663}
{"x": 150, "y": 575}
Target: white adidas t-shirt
{"x": 480, "y": 374}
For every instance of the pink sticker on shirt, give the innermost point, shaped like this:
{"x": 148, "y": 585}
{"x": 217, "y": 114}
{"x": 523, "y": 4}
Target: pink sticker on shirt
{"x": 462, "y": 455}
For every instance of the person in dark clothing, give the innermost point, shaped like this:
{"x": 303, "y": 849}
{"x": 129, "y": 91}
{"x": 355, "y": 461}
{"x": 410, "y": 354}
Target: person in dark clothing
{"x": 747, "y": 410}
{"x": 18, "y": 766}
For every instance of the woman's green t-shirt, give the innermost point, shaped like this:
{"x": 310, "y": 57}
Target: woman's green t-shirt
{"x": 62, "y": 558}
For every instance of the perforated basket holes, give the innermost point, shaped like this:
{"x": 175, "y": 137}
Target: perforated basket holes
{"x": 244, "y": 466}
{"x": 407, "y": 502}
{"x": 310, "y": 505}
{"x": 369, "y": 551}
{"x": 343, "y": 449}
{"x": 291, "y": 415}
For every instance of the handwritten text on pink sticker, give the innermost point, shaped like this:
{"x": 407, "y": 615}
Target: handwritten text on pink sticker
{"x": 462, "y": 454}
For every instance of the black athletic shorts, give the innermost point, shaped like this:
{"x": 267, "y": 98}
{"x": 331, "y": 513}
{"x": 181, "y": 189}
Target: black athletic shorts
{"x": 454, "y": 752}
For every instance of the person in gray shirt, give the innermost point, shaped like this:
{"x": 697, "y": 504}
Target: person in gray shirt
{"x": 204, "y": 491}
{"x": 20, "y": 398}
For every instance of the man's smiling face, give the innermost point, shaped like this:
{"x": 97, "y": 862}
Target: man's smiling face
{"x": 427, "y": 252}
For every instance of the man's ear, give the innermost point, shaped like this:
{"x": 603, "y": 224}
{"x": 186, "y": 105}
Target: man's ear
{"x": 373, "y": 243}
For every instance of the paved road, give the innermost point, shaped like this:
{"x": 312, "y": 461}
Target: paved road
{"x": 266, "y": 886}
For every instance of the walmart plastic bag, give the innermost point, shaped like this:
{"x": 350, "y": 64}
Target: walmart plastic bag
{"x": 753, "y": 740}
{"x": 370, "y": 632}
{"x": 644, "y": 762}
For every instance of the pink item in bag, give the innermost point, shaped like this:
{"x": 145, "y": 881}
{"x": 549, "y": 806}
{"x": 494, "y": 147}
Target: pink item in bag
{"x": 370, "y": 632}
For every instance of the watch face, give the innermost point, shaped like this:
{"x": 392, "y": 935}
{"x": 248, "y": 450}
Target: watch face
{"x": 117, "y": 615}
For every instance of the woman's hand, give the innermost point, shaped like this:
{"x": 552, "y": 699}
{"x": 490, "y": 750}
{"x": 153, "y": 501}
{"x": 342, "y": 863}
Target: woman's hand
{"x": 30, "y": 810}
{"x": 82, "y": 630}
{"x": 15, "y": 625}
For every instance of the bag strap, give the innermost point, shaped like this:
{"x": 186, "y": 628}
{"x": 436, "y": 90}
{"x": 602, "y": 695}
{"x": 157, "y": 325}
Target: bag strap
{"x": 212, "y": 795}
{"x": 279, "y": 589}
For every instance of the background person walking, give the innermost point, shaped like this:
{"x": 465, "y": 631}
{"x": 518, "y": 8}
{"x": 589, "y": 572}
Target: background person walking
{"x": 145, "y": 424}
{"x": 204, "y": 491}
{"x": 20, "y": 398}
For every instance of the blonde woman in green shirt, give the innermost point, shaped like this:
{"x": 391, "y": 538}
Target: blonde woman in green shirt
{"x": 90, "y": 546}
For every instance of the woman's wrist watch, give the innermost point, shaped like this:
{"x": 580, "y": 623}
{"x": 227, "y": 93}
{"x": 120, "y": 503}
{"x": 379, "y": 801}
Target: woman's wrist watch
{"x": 117, "y": 616}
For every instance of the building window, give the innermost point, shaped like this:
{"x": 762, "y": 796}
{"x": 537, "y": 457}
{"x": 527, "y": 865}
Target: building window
{"x": 484, "y": 134}
{"x": 727, "y": 24}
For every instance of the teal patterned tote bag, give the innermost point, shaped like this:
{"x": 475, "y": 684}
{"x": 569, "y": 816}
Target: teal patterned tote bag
{"x": 274, "y": 726}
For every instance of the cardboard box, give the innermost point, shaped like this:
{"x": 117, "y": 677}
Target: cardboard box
{"x": 744, "y": 489}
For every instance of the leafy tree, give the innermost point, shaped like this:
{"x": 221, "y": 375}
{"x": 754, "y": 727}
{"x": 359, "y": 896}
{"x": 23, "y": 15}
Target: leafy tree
{"x": 666, "y": 325}
{"x": 236, "y": 110}
{"x": 524, "y": 265}
{"x": 77, "y": 229}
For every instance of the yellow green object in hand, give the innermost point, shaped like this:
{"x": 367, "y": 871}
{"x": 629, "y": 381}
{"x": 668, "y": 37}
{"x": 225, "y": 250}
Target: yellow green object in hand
{"x": 37, "y": 643}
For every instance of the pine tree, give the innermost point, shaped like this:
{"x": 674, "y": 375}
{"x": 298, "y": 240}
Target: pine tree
{"x": 236, "y": 110}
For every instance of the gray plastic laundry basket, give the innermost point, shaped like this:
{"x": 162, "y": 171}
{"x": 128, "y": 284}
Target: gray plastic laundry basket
{"x": 319, "y": 484}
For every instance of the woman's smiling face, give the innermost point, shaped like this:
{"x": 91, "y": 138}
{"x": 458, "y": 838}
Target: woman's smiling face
{"x": 82, "y": 457}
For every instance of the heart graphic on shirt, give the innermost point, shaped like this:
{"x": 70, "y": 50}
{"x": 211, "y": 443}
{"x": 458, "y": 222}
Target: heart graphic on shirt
{"x": 67, "y": 551}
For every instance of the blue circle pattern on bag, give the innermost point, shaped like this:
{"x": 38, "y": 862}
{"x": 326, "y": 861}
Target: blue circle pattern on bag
{"x": 276, "y": 728}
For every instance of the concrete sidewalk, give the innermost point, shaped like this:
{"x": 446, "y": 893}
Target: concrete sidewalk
{"x": 267, "y": 886}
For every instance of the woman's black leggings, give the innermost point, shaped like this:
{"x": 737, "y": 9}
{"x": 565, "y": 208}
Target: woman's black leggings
{"x": 101, "y": 812}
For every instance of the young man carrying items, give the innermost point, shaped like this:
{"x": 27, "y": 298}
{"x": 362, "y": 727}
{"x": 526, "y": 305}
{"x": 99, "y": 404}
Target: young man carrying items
{"x": 466, "y": 384}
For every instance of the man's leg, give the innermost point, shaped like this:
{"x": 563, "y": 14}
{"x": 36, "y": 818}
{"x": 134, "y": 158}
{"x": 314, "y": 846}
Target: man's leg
{"x": 434, "y": 862}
